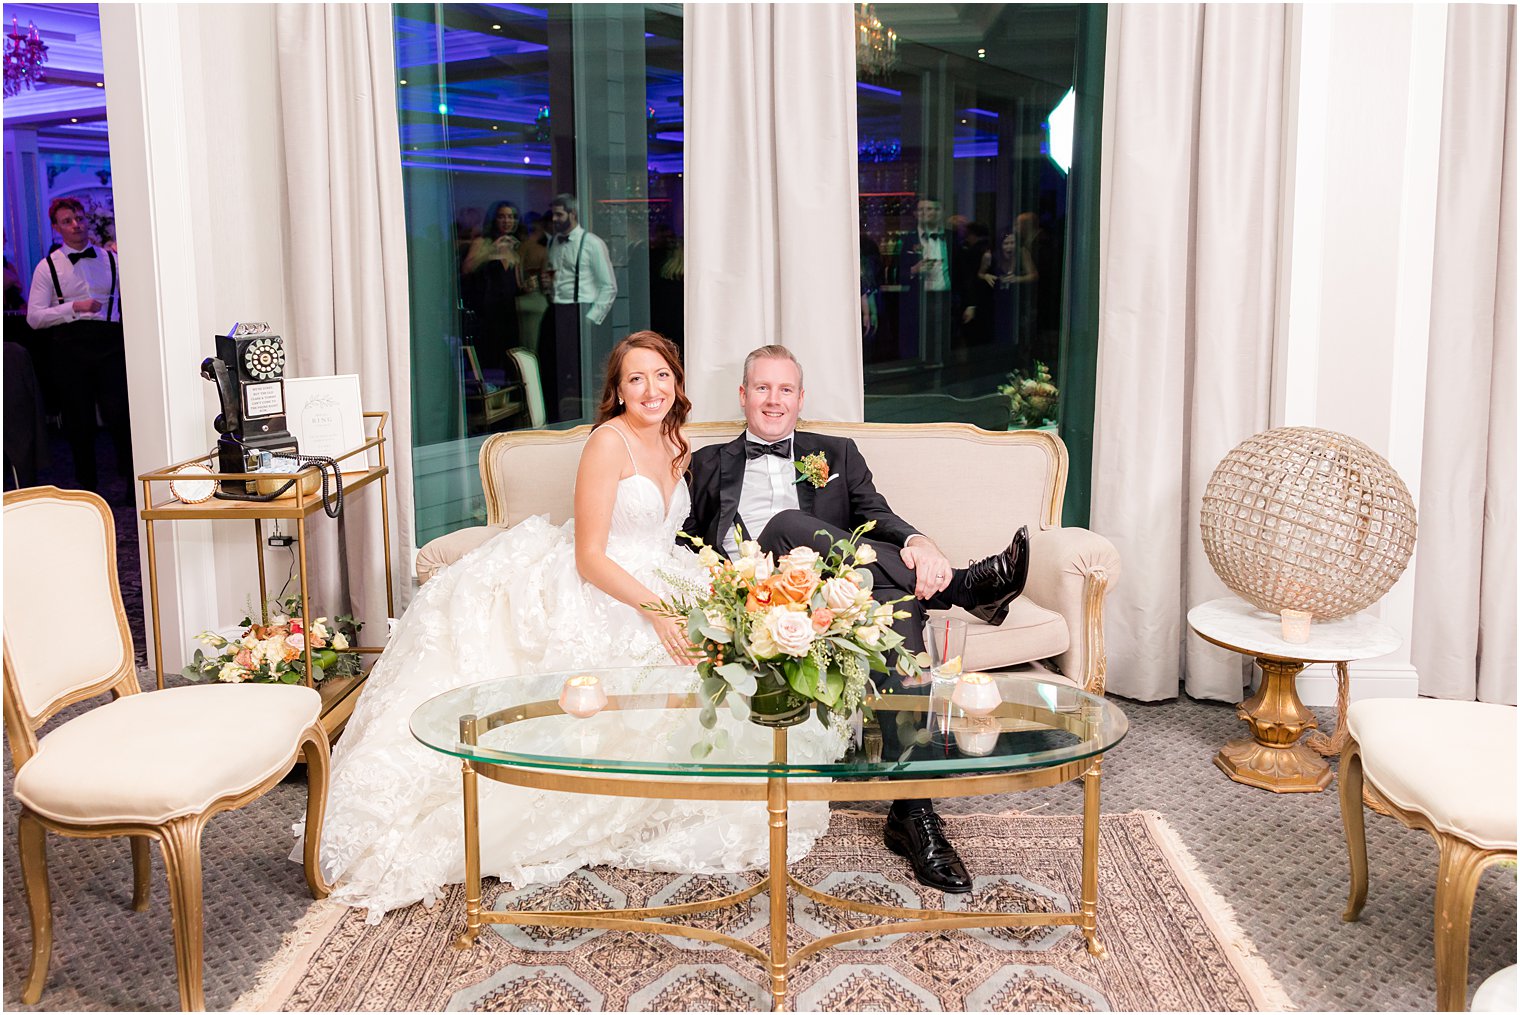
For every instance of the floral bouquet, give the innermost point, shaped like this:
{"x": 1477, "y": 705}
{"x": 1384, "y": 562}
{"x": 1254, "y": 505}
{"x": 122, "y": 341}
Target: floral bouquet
{"x": 777, "y": 636}
{"x": 274, "y": 653}
{"x": 1032, "y": 401}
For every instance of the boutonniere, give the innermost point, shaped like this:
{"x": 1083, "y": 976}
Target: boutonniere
{"x": 815, "y": 469}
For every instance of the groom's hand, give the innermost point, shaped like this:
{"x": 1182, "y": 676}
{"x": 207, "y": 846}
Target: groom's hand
{"x": 931, "y": 569}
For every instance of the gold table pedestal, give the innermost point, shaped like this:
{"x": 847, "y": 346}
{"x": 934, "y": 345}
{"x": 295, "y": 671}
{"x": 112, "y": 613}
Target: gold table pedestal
{"x": 777, "y": 792}
{"x": 1276, "y": 756}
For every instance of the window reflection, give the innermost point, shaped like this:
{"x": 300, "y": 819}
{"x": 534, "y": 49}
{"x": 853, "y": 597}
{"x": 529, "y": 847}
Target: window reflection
{"x": 542, "y": 150}
{"x": 963, "y": 212}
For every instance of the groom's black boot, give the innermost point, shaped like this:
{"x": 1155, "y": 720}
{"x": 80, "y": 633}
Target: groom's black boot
{"x": 915, "y": 831}
{"x": 994, "y": 582}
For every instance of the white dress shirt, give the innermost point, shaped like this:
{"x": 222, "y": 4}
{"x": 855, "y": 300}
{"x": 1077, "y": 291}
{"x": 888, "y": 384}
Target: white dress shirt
{"x": 770, "y": 487}
{"x": 936, "y": 262}
{"x": 584, "y": 255}
{"x": 90, "y": 277}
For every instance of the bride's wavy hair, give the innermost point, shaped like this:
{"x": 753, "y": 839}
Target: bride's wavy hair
{"x": 675, "y": 419}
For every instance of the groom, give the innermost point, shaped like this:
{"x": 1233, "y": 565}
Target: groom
{"x": 751, "y": 480}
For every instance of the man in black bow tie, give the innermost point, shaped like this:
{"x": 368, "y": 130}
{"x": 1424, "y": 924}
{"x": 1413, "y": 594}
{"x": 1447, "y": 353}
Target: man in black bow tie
{"x": 752, "y": 481}
{"x": 924, "y": 265}
{"x": 76, "y": 297}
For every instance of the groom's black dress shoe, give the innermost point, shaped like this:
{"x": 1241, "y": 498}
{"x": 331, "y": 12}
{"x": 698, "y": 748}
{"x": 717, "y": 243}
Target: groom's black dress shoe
{"x": 919, "y": 836}
{"x": 998, "y": 580}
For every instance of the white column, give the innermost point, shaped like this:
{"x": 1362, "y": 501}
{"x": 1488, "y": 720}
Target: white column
{"x": 200, "y": 218}
{"x": 1366, "y": 86}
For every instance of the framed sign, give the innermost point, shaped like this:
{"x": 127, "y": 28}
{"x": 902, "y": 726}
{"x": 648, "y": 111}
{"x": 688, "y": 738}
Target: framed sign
{"x": 324, "y": 415}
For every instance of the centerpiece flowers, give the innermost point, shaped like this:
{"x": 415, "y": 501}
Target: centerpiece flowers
{"x": 275, "y": 653}
{"x": 778, "y": 637}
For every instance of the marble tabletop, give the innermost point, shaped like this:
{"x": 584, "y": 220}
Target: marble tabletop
{"x": 1236, "y": 624}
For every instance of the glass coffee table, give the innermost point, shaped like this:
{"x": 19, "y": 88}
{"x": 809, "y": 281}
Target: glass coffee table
{"x": 514, "y": 730}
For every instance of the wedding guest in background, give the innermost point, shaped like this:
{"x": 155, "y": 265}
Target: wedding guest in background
{"x": 581, "y": 289}
{"x": 532, "y": 303}
{"x": 76, "y": 299}
{"x": 491, "y": 267}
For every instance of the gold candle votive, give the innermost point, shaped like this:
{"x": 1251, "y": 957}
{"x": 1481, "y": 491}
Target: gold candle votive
{"x": 976, "y": 694}
{"x": 1295, "y": 626}
{"x": 582, "y": 696}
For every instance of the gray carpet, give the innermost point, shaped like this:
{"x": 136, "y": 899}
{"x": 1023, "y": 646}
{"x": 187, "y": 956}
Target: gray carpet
{"x": 1278, "y": 860}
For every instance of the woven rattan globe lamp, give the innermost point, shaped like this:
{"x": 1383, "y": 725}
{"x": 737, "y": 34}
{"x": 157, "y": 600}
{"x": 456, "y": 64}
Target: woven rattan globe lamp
{"x": 1298, "y": 518}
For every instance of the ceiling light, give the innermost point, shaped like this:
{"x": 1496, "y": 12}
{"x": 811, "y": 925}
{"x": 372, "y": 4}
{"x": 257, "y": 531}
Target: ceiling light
{"x": 443, "y": 107}
{"x": 497, "y": 27}
{"x": 100, "y": 84}
{"x": 526, "y": 160}
{"x": 494, "y": 127}
{"x": 75, "y": 119}
{"x": 981, "y": 54}
{"x": 403, "y": 80}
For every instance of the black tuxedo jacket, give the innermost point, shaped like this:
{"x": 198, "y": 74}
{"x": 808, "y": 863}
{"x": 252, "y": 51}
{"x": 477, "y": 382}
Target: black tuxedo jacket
{"x": 716, "y": 476}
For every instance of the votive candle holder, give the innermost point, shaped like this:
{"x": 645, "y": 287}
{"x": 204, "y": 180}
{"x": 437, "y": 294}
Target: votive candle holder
{"x": 582, "y": 696}
{"x": 1295, "y": 626}
{"x": 976, "y": 694}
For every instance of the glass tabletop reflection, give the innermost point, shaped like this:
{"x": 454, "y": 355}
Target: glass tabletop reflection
{"x": 648, "y": 721}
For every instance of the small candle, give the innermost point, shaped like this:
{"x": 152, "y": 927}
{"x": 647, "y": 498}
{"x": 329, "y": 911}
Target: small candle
{"x": 582, "y": 696}
{"x": 1295, "y": 626}
{"x": 976, "y": 694}
{"x": 978, "y": 738}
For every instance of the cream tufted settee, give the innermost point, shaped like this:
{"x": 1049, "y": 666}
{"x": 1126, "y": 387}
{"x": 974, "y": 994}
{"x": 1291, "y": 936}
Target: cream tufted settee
{"x": 966, "y": 488}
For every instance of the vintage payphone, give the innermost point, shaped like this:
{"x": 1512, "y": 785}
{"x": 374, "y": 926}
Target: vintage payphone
{"x": 249, "y": 371}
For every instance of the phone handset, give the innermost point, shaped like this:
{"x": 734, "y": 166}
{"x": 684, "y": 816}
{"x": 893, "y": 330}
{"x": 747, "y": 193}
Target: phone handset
{"x": 229, "y": 420}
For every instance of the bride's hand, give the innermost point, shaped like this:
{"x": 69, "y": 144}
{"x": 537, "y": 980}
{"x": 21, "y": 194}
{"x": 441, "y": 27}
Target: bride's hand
{"x": 672, "y": 634}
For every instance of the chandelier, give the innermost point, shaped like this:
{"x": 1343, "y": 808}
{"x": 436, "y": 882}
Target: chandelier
{"x": 24, "y": 57}
{"x": 875, "y": 45}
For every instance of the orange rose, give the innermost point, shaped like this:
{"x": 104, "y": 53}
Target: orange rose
{"x": 794, "y": 586}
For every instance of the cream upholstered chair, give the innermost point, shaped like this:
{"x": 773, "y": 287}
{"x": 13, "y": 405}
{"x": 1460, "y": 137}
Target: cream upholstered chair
{"x": 148, "y": 766}
{"x": 1447, "y": 767}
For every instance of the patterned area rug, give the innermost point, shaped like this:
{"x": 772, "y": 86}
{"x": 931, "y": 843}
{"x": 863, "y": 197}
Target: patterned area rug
{"x": 1172, "y": 944}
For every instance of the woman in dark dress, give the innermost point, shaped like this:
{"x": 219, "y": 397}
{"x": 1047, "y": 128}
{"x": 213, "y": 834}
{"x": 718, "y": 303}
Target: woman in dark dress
{"x": 492, "y": 275}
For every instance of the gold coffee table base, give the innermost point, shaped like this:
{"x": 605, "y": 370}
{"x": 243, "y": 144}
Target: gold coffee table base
{"x": 777, "y": 793}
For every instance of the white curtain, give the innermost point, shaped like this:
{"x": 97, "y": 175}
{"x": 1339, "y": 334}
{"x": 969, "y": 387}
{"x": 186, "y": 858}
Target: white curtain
{"x": 1463, "y": 642}
{"x": 772, "y": 206}
{"x": 1192, "y": 147}
{"x": 346, "y": 264}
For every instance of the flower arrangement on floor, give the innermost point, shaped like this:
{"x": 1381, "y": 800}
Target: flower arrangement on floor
{"x": 1032, "y": 401}
{"x": 778, "y": 636}
{"x": 274, "y": 653}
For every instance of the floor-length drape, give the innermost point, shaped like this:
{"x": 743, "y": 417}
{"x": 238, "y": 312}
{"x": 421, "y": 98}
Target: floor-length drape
{"x": 772, "y": 201}
{"x": 1463, "y": 643}
{"x": 346, "y": 266}
{"x": 1192, "y": 126}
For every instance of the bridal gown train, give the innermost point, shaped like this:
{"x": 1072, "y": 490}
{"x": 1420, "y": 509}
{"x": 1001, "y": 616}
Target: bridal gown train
{"x": 516, "y": 605}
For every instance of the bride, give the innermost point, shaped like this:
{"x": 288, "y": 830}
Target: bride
{"x": 540, "y": 598}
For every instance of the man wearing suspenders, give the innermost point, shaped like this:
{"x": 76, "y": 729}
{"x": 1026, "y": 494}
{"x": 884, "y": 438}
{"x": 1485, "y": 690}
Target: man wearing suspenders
{"x": 581, "y": 285}
{"x": 76, "y": 297}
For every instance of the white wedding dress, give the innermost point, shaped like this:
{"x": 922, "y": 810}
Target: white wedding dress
{"x": 516, "y": 605}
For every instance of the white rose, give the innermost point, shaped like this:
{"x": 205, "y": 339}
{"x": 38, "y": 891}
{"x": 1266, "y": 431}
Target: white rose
{"x": 707, "y": 556}
{"x": 792, "y": 630}
{"x": 296, "y": 641}
{"x": 749, "y": 548}
{"x": 715, "y": 618}
{"x": 232, "y": 673}
{"x": 248, "y": 640}
{"x": 279, "y": 620}
{"x": 319, "y": 628}
{"x": 802, "y": 558}
{"x": 839, "y": 594}
{"x": 865, "y": 553}
{"x": 762, "y": 644}
{"x": 339, "y": 642}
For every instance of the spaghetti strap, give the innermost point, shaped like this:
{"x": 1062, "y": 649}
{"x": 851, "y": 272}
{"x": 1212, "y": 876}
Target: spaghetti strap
{"x": 627, "y": 447}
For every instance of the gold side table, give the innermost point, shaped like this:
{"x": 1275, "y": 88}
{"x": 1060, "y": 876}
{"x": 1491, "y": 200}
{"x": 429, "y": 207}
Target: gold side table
{"x": 1278, "y": 756}
{"x": 339, "y": 694}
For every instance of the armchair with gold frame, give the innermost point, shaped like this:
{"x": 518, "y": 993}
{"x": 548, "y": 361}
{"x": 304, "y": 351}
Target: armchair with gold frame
{"x": 204, "y": 749}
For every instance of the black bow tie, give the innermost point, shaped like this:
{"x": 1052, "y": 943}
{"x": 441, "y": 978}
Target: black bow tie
{"x": 74, "y": 256}
{"x": 754, "y": 449}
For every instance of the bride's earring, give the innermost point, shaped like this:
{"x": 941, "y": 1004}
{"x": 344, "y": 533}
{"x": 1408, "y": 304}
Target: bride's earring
{"x": 620, "y": 403}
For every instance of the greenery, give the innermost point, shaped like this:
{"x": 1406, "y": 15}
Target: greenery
{"x": 806, "y": 623}
{"x": 1032, "y": 401}
{"x": 274, "y": 653}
